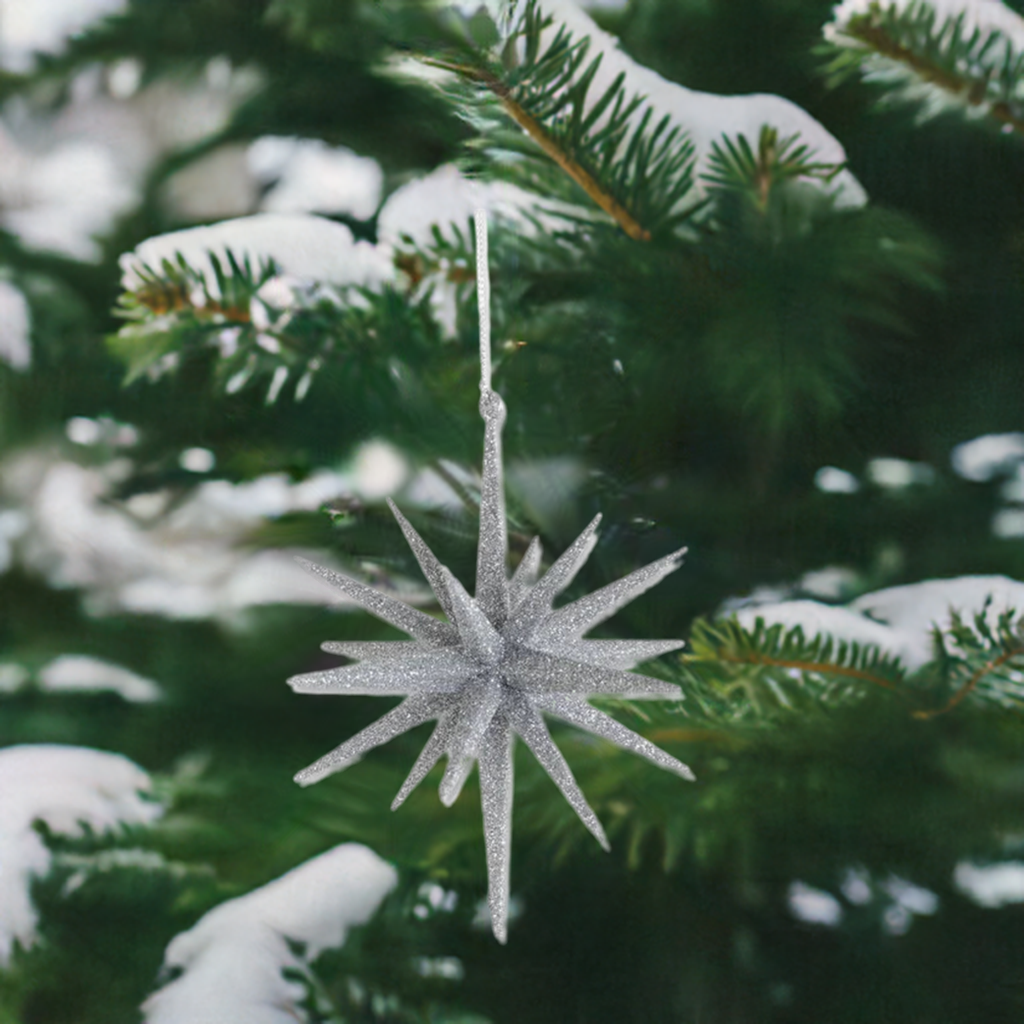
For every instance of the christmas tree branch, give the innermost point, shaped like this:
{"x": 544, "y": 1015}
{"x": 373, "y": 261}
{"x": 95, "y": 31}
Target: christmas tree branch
{"x": 550, "y": 146}
{"x": 972, "y": 59}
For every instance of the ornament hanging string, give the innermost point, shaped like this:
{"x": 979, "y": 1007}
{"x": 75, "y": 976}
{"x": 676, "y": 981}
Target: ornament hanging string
{"x": 483, "y": 298}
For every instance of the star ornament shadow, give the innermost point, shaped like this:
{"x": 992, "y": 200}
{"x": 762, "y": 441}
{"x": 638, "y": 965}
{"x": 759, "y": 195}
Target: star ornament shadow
{"x": 503, "y": 660}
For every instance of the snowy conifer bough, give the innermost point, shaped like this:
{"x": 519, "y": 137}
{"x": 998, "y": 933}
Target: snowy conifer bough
{"x": 935, "y": 54}
{"x": 69, "y": 789}
{"x": 232, "y": 962}
{"x": 504, "y": 657}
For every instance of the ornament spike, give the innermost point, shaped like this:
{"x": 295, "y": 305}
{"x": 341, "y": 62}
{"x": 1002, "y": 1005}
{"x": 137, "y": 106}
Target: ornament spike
{"x": 525, "y": 575}
{"x": 411, "y": 712}
{"x": 536, "y": 606}
{"x": 431, "y": 567}
{"x": 530, "y": 725}
{"x": 377, "y": 650}
{"x": 571, "y": 621}
{"x": 621, "y": 654}
{"x": 579, "y": 713}
{"x": 384, "y": 678}
{"x": 496, "y": 787}
{"x": 538, "y": 673}
{"x": 429, "y": 756}
{"x": 408, "y": 620}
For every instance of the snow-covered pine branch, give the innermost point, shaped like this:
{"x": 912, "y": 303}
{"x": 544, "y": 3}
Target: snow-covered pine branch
{"x": 69, "y": 790}
{"x": 642, "y": 147}
{"x": 936, "y": 54}
{"x": 938, "y": 642}
{"x": 231, "y": 965}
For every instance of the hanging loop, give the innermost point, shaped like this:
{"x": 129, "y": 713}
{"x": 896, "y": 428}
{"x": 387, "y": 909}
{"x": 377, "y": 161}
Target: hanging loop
{"x": 492, "y": 408}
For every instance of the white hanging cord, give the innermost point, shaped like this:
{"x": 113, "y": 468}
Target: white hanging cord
{"x": 483, "y": 298}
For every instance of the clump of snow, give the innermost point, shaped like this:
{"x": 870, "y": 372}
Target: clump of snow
{"x": 445, "y": 198}
{"x": 899, "y": 620}
{"x": 815, "y": 618}
{"x": 913, "y": 610}
{"x": 704, "y": 116}
{"x": 984, "y": 16}
{"x": 42, "y": 26}
{"x": 815, "y": 906}
{"x": 991, "y": 885}
{"x": 15, "y": 327}
{"x": 308, "y": 176}
{"x": 304, "y": 247}
{"x": 988, "y": 456}
{"x": 80, "y": 672}
{"x": 833, "y": 480}
{"x": 232, "y": 960}
{"x": 39, "y": 206}
{"x": 186, "y": 562}
{"x": 898, "y": 474}
{"x": 1008, "y": 523}
{"x": 68, "y": 789}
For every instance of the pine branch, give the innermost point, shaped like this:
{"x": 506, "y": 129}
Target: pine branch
{"x": 987, "y": 662}
{"x": 752, "y": 675}
{"x": 937, "y": 61}
{"x": 734, "y": 166}
{"x": 634, "y": 170}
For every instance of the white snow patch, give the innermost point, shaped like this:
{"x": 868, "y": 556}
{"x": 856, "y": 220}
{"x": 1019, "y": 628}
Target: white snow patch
{"x": 815, "y": 618}
{"x": 706, "y": 117}
{"x": 988, "y": 456}
{"x": 1008, "y": 523}
{"x": 308, "y": 176}
{"x": 80, "y": 672}
{"x": 68, "y": 789}
{"x": 814, "y": 905}
{"x": 15, "y": 327}
{"x": 305, "y": 247}
{"x": 991, "y": 885}
{"x": 897, "y": 474}
{"x": 985, "y": 16}
{"x": 190, "y": 562}
{"x": 28, "y": 27}
{"x": 234, "y": 956}
{"x": 833, "y": 480}
{"x": 913, "y": 610}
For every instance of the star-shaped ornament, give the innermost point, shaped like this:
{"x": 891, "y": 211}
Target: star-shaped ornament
{"x": 503, "y": 660}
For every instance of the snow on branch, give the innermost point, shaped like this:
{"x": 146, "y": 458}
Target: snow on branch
{"x": 231, "y": 964}
{"x": 638, "y": 144}
{"x": 937, "y": 642}
{"x": 936, "y": 54}
{"x": 69, "y": 790}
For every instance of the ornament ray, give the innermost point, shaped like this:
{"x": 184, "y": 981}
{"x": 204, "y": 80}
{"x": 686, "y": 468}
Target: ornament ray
{"x": 581, "y": 714}
{"x": 429, "y": 756}
{"x": 530, "y": 725}
{"x": 496, "y": 787}
{"x": 623, "y": 654}
{"x": 571, "y": 621}
{"x": 525, "y": 575}
{"x": 537, "y": 603}
{"x": 537, "y": 673}
{"x": 440, "y": 672}
{"x": 375, "y": 650}
{"x": 464, "y": 745}
{"x": 416, "y": 623}
{"x": 427, "y": 560}
{"x": 411, "y": 712}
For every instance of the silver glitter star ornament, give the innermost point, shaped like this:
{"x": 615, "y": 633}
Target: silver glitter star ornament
{"x": 503, "y": 660}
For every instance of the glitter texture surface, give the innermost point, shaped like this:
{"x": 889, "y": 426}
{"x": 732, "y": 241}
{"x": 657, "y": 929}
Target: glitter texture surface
{"x": 504, "y": 657}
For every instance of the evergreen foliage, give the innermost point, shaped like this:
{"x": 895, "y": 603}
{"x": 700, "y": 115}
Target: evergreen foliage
{"x": 708, "y": 344}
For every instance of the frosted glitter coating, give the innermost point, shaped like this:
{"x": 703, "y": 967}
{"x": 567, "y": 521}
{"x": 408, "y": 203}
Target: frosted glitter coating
{"x": 485, "y": 676}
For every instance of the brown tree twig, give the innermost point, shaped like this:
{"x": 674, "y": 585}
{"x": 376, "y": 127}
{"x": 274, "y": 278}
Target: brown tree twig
{"x": 972, "y": 91}
{"x": 972, "y": 682}
{"x": 550, "y": 146}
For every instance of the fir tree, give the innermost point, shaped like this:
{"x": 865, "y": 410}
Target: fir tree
{"x": 755, "y": 291}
